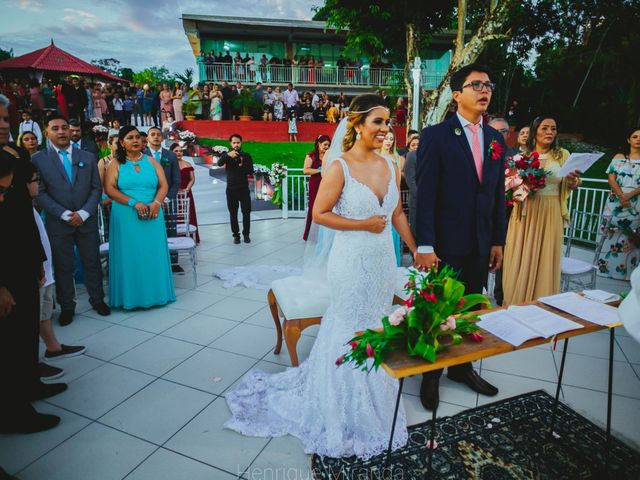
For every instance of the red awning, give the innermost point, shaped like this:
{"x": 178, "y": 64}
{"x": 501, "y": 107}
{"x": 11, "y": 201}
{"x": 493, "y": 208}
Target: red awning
{"x": 53, "y": 59}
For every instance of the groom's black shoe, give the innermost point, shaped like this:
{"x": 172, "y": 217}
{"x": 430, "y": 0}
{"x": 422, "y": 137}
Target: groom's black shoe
{"x": 102, "y": 309}
{"x": 474, "y": 382}
{"x": 429, "y": 393}
{"x": 66, "y": 317}
{"x": 236, "y": 240}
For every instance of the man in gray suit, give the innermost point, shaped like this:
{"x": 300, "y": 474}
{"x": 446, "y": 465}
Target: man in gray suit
{"x": 410, "y": 178}
{"x": 70, "y": 191}
{"x": 169, "y": 163}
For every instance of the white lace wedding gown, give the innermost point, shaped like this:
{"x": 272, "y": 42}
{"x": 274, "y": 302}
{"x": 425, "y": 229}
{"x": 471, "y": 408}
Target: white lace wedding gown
{"x": 335, "y": 411}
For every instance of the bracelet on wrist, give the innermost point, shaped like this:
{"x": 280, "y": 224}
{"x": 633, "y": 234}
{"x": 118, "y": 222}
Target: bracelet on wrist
{"x": 131, "y": 202}
{"x": 156, "y": 201}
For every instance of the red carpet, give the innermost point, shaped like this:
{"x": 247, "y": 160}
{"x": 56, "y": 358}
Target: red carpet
{"x": 259, "y": 131}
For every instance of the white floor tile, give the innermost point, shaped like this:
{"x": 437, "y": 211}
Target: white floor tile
{"x": 252, "y": 294}
{"x": 200, "y": 329}
{"x": 156, "y": 320}
{"x": 157, "y": 356}
{"x": 117, "y": 315}
{"x": 100, "y": 390}
{"x": 96, "y": 453}
{"x": 591, "y": 345}
{"x": 304, "y": 346}
{"x": 262, "y": 318}
{"x": 531, "y": 362}
{"x": 211, "y": 370}
{"x": 204, "y": 439}
{"x": 283, "y": 458}
{"x": 81, "y": 328}
{"x": 158, "y": 411}
{"x": 114, "y": 341}
{"x": 630, "y": 347}
{"x": 249, "y": 340}
{"x": 195, "y": 301}
{"x": 75, "y": 367}
{"x": 166, "y": 465}
{"x": 18, "y": 451}
{"x": 512, "y": 385}
{"x": 237, "y": 309}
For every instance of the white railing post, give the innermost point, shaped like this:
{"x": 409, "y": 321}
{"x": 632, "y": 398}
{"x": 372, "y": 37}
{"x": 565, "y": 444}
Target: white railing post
{"x": 285, "y": 196}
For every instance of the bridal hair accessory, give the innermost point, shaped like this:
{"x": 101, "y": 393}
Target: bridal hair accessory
{"x": 358, "y": 136}
{"x": 367, "y": 111}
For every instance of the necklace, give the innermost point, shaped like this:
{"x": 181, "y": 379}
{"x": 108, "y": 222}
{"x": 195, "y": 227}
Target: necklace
{"x": 136, "y": 167}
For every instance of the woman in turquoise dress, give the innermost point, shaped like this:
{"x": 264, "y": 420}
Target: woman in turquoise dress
{"x": 389, "y": 150}
{"x": 139, "y": 265}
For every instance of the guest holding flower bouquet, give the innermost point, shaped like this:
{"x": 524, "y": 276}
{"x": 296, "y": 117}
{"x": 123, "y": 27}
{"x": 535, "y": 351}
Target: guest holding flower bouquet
{"x": 187, "y": 179}
{"x": 621, "y": 248}
{"x": 139, "y": 267}
{"x": 534, "y": 236}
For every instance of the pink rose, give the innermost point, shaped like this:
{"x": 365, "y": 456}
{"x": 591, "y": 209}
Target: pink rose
{"x": 512, "y": 182}
{"x": 340, "y": 360}
{"x": 397, "y": 317}
{"x": 451, "y": 322}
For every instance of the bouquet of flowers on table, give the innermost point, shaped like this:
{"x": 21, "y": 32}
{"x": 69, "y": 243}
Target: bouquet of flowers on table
{"x": 276, "y": 176}
{"x": 261, "y": 173}
{"x": 190, "y": 138}
{"x": 434, "y": 316}
{"x": 523, "y": 176}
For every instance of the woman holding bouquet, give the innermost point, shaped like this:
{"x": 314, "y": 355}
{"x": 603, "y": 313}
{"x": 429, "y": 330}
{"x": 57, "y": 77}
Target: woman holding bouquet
{"x": 534, "y": 237}
{"x": 619, "y": 255}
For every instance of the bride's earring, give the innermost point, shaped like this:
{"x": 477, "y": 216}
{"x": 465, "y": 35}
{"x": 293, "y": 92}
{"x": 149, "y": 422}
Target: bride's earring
{"x": 358, "y": 136}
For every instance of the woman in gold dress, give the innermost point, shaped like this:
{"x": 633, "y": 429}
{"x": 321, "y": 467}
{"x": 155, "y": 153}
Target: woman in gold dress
{"x": 534, "y": 238}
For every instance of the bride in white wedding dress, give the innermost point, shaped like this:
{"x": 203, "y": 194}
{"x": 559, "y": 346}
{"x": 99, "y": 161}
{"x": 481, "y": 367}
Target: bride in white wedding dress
{"x": 341, "y": 411}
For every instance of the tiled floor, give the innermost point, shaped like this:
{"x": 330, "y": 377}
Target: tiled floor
{"x": 147, "y": 400}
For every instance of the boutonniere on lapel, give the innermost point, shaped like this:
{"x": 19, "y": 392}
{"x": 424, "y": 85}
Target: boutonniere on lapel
{"x": 495, "y": 150}
{"x": 164, "y": 161}
{"x": 458, "y": 131}
{"x": 80, "y": 164}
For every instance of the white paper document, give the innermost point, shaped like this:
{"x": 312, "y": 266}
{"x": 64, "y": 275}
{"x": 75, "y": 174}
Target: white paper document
{"x": 600, "y": 296}
{"x": 578, "y": 161}
{"x": 516, "y": 325}
{"x": 582, "y": 307}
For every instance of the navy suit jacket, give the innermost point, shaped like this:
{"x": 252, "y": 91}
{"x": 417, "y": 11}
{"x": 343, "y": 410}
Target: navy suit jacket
{"x": 456, "y": 214}
{"x": 56, "y": 194}
{"x": 171, "y": 167}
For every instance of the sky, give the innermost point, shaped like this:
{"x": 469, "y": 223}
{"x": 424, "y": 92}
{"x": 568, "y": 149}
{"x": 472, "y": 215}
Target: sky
{"x": 139, "y": 33}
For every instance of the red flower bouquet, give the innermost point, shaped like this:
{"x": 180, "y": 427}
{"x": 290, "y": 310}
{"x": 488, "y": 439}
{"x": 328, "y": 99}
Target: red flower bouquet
{"x": 523, "y": 177}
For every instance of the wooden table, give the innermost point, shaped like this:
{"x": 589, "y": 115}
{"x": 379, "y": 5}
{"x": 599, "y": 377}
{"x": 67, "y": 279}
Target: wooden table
{"x": 401, "y": 365}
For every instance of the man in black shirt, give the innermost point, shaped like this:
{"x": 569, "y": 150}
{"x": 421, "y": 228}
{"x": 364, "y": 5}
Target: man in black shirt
{"x": 238, "y": 165}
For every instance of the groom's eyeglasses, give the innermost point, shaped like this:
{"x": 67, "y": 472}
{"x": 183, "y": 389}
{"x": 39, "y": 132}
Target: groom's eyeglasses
{"x": 477, "y": 86}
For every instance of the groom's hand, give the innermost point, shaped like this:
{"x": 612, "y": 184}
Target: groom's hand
{"x": 426, "y": 261}
{"x": 495, "y": 258}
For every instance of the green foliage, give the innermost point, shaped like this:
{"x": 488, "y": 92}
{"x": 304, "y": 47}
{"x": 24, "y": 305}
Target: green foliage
{"x": 110, "y": 65}
{"x": 292, "y": 154}
{"x": 126, "y": 73}
{"x": 189, "y": 107}
{"x": 245, "y": 102}
{"x": 186, "y": 77}
{"x": 152, "y": 76}
{"x": 436, "y": 307}
{"x": 6, "y": 54}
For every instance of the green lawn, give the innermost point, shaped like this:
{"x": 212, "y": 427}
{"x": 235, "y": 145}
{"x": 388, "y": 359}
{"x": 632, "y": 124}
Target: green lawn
{"x": 266, "y": 153}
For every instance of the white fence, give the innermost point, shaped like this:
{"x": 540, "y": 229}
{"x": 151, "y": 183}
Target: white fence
{"x": 591, "y": 198}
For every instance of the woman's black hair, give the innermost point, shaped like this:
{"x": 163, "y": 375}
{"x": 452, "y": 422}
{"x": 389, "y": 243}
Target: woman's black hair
{"x": 174, "y": 145}
{"x": 121, "y": 153}
{"x": 533, "y": 131}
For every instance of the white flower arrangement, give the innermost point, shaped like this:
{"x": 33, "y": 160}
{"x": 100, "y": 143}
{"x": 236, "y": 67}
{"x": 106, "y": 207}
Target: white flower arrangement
{"x": 278, "y": 173}
{"x": 261, "y": 169}
{"x": 220, "y": 150}
{"x": 96, "y": 120}
{"x": 187, "y": 136}
{"x": 98, "y": 129}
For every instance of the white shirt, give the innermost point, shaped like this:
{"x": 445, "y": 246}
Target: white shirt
{"x": 31, "y": 126}
{"x": 469, "y": 134}
{"x": 46, "y": 265}
{"x": 290, "y": 98}
{"x": 314, "y": 101}
{"x": 66, "y": 215}
{"x": 117, "y": 104}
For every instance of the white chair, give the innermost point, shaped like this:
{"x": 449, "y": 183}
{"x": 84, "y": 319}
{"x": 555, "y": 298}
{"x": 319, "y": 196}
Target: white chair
{"x": 174, "y": 212}
{"x": 184, "y": 228}
{"x": 585, "y": 230}
{"x": 289, "y": 298}
{"x": 103, "y": 235}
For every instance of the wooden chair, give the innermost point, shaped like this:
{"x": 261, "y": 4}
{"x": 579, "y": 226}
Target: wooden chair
{"x": 289, "y": 298}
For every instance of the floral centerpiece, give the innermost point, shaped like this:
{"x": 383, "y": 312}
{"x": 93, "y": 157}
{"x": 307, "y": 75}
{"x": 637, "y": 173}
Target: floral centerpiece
{"x": 523, "y": 177}
{"x": 217, "y": 152}
{"x": 435, "y": 315}
{"x": 189, "y": 139}
{"x": 261, "y": 173}
{"x": 276, "y": 176}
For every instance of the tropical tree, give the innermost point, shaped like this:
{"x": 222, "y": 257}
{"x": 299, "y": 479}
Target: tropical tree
{"x": 152, "y": 75}
{"x": 186, "y": 77}
{"x": 110, "y": 65}
{"x": 6, "y": 54}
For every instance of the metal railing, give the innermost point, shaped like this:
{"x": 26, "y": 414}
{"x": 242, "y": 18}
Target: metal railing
{"x": 305, "y": 75}
{"x": 591, "y": 199}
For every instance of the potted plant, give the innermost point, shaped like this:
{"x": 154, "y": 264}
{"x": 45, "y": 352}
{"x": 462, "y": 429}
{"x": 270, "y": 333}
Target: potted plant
{"x": 189, "y": 108}
{"x": 245, "y": 102}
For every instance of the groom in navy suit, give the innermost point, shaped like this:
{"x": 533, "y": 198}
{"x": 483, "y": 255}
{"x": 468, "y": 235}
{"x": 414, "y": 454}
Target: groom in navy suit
{"x": 460, "y": 203}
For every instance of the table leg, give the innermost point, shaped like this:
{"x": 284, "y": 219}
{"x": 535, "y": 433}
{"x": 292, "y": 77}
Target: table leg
{"x": 393, "y": 425}
{"x": 555, "y": 404}
{"x": 432, "y": 440}
{"x": 612, "y": 337}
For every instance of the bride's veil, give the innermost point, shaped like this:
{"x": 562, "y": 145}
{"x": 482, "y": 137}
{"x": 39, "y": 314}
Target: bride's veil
{"x": 320, "y": 238}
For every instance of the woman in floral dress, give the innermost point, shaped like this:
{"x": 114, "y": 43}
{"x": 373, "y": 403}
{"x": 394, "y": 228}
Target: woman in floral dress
{"x": 621, "y": 251}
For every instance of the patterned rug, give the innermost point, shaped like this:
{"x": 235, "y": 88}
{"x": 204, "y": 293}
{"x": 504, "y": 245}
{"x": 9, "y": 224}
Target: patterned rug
{"x": 506, "y": 440}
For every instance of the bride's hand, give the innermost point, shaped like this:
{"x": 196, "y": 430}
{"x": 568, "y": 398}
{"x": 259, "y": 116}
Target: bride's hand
{"x": 375, "y": 224}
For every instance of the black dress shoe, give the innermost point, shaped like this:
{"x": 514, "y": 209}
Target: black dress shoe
{"x": 474, "y": 381}
{"x": 430, "y": 393}
{"x": 236, "y": 240}
{"x": 102, "y": 309}
{"x": 66, "y": 317}
{"x": 36, "y": 422}
{"x": 177, "y": 269}
{"x": 247, "y": 239}
{"x": 46, "y": 390}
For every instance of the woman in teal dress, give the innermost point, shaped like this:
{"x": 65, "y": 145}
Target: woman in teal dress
{"x": 139, "y": 265}
{"x": 389, "y": 150}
